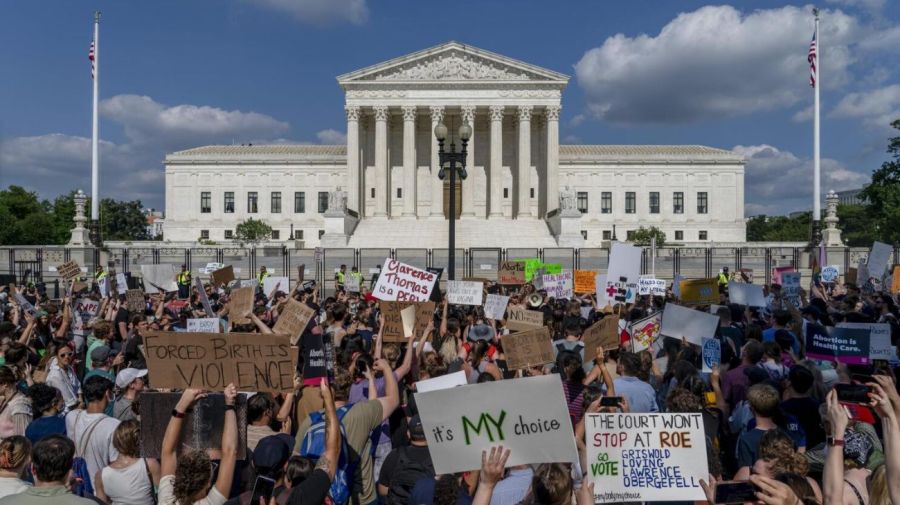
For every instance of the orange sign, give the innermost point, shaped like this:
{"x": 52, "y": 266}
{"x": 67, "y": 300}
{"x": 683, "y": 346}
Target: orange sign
{"x": 585, "y": 281}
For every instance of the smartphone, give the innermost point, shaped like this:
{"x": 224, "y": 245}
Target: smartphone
{"x": 735, "y": 491}
{"x": 610, "y": 401}
{"x": 852, "y": 393}
{"x": 263, "y": 488}
{"x": 862, "y": 378}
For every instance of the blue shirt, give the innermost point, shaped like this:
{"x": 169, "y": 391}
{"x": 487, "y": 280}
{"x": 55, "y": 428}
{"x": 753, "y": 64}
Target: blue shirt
{"x": 640, "y": 395}
{"x": 769, "y": 336}
{"x": 43, "y": 426}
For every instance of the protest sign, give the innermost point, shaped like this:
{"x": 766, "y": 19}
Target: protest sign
{"x": 201, "y": 292}
{"x": 201, "y": 428}
{"x": 712, "y": 354}
{"x": 393, "y": 321}
{"x": 103, "y": 286}
{"x": 879, "y": 259}
{"x": 790, "y": 287}
{"x": 746, "y": 294}
{"x": 528, "y": 348}
{"x": 850, "y": 277}
{"x": 622, "y": 290}
{"x": 845, "y": 345}
{"x": 585, "y": 281}
{"x": 272, "y": 283}
{"x": 408, "y": 320}
{"x": 69, "y": 270}
{"x": 650, "y": 286}
{"x": 222, "y": 276}
{"x": 604, "y": 333}
{"x": 464, "y": 292}
{"x": 645, "y": 332}
{"x": 293, "y": 319}
{"x": 600, "y": 282}
{"x": 211, "y": 267}
{"x": 777, "y": 272}
{"x": 895, "y": 280}
{"x": 745, "y": 275}
{"x": 241, "y": 305}
{"x": 495, "y": 306}
{"x": 249, "y": 283}
{"x": 301, "y": 273}
{"x": 537, "y": 280}
{"x": 624, "y": 261}
{"x": 531, "y": 266}
{"x": 450, "y": 380}
{"x": 518, "y": 319}
{"x": 676, "y": 286}
{"x": 135, "y": 300}
{"x": 121, "y": 283}
{"x": 646, "y": 457}
{"x": 862, "y": 276}
{"x": 85, "y": 309}
{"x": 511, "y": 273}
{"x": 211, "y": 361}
{"x": 552, "y": 268}
{"x": 351, "y": 284}
{"x": 403, "y": 283}
{"x": 203, "y": 325}
{"x": 559, "y": 285}
{"x": 460, "y": 422}
{"x": 24, "y": 303}
{"x": 692, "y": 325}
{"x": 831, "y": 273}
{"x": 699, "y": 291}
{"x": 879, "y": 338}
{"x": 159, "y": 278}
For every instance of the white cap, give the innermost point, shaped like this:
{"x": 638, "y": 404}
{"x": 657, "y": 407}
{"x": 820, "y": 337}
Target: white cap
{"x": 127, "y": 376}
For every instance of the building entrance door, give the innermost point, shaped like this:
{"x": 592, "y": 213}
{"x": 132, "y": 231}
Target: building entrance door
{"x": 447, "y": 198}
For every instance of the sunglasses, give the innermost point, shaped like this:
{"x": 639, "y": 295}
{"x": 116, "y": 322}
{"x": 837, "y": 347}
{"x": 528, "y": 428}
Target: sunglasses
{"x": 66, "y": 355}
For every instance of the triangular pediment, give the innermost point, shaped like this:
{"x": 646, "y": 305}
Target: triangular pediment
{"x": 453, "y": 61}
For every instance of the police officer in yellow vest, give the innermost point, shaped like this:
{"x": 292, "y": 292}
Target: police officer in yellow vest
{"x": 183, "y": 279}
{"x": 339, "y": 277}
{"x": 100, "y": 274}
{"x": 354, "y": 273}
{"x": 723, "y": 279}
{"x": 263, "y": 275}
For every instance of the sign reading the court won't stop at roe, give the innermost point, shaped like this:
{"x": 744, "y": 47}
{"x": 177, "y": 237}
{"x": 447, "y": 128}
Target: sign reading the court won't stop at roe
{"x": 211, "y": 361}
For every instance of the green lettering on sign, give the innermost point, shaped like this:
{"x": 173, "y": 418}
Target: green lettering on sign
{"x": 492, "y": 427}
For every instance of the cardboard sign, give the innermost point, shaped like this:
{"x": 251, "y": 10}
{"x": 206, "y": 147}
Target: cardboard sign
{"x": 85, "y": 309}
{"x": 605, "y": 333}
{"x": 203, "y": 325}
{"x": 403, "y": 283}
{"x": 450, "y": 380}
{"x": 69, "y": 270}
{"x": 830, "y": 273}
{"x": 850, "y": 277}
{"x": 461, "y": 422}
{"x": 645, "y": 332}
{"x": 692, "y": 325}
{"x": 293, "y": 319}
{"x": 511, "y": 273}
{"x": 585, "y": 281}
{"x": 746, "y": 294}
{"x": 879, "y": 338}
{"x": 272, "y": 283}
{"x": 646, "y": 457}
{"x": 201, "y": 292}
{"x": 121, "y": 283}
{"x": 712, "y": 354}
{"x": 159, "y": 278}
{"x": 135, "y": 300}
{"x": 790, "y": 287}
{"x": 464, "y": 293}
{"x": 650, "y": 286}
{"x": 202, "y": 426}
{"x": 211, "y": 361}
{"x": 495, "y": 306}
{"x": 222, "y": 276}
{"x": 241, "y": 305}
{"x": 895, "y": 280}
{"x": 777, "y": 272}
{"x": 845, "y": 345}
{"x": 624, "y": 262}
{"x": 528, "y": 348}
{"x": 393, "y": 321}
{"x": 518, "y": 319}
{"x": 351, "y": 283}
{"x": 211, "y": 267}
{"x": 879, "y": 259}
{"x": 699, "y": 291}
{"x": 559, "y": 285}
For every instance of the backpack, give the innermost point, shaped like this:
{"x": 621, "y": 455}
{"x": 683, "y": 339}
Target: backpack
{"x": 81, "y": 477}
{"x": 406, "y": 473}
{"x": 313, "y": 447}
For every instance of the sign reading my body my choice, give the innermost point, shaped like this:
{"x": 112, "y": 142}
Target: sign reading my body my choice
{"x": 399, "y": 282}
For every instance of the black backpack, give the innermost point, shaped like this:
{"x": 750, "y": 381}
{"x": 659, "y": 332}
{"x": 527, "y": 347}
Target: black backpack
{"x": 407, "y": 473}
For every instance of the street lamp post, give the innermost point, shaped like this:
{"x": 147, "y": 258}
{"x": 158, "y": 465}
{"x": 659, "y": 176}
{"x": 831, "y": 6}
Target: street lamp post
{"x": 452, "y": 157}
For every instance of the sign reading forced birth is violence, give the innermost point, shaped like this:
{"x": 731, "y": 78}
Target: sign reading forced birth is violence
{"x": 462, "y": 421}
{"x": 211, "y": 361}
{"x": 646, "y": 457}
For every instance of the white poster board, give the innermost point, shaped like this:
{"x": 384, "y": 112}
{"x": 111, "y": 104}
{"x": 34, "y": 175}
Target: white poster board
{"x": 399, "y": 282}
{"x": 203, "y": 325}
{"x": 121, "y": 283}
{"x": 879, "y": 338}
{"x": 602, "y": 299}
{"x": 451, "y": 380}
{"x": 559, "y": 285}
{"x": 464, "y": 292}
{"x": 280, "y": 283}
{"x": 495, "y": 306}
{"x": 746, "y": 294}
{"x": 879, "y": 259}
{"x": 624, "y": 263}
{"x": 646, "y": 457}
{"x": 460, "y": 422}
{"x": 692, "y": 325}
{"x": 650, "y": 286}
{"x": 85, "y": 309}
{"x": 158, "y": 277}
{"x": 351, "y": 284}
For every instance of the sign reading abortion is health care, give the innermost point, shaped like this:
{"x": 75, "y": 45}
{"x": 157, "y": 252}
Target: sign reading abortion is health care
{"x": 399, "y": 282}
{"x": 646, "y": 457}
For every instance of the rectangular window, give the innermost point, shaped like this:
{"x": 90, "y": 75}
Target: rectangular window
{"x": 323, "y": 201}
{"x": 607, "y": 235}
{"x": 204, "y": 234}
{"x": 229, "y": 234}
{"x": 629, "y": 235}
{"x": 679, "y": 235}
{"x": 229, "y": 202}
{"x": 276, "y": 202}
{"x": 654, "y": 202}
{"x": 584, "y": 234}
{"x": 582, "y": 202}
{"x": 276, "y": 235}
{"x": 298, "y": 234}
{"x": 299, "y": 202}
{"x": 702, "y": 202}
{"x": 531, "y": 192}
{"x": 678, "y": 202}
{"x": 399, "y": 192}
{"x": 205, "y": 202}
{"x": 630, "y": 202}
{"x": 373, "y": 193}
{"x": 252, "y": 199}
{"x": 505, "y": 192}
{"x": 606, "y": 202}
{"x": 702, "y": 235}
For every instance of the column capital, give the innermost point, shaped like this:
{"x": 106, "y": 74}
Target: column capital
{"x": 468, "y": 113}
{"x": 497, "y": 112}
{"x": 525, "y": 112}
{"x": 352, "y": 112}
{"x": 437, "y": 113}
{"x": 381, "y": 112}
{"x": 409, "y": 112}
{"x": 553, "y": 112}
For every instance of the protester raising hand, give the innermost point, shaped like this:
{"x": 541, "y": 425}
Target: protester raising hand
{"x": 883, "y": 404}
{"x": 773, "y": 492}
{"x": 492, "y": 468}
{"x": 833, "y": 475}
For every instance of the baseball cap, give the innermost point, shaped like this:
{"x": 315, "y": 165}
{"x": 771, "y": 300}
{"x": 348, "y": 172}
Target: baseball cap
{"x": 271, "y": 454}
{"x": 416, "y": 430}
{"x": 100, "y": 354}
{"x": 127, "y": 376}
{"x": 481, "y": 332}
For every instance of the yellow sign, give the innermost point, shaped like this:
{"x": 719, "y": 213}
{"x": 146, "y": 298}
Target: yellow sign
{"x": 699, "y": 291}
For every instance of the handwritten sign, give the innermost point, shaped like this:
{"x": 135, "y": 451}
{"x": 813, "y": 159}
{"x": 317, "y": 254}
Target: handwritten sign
{"x": 293, "y": 320}
{"x": 621, "y": 290}
{"x": 650, "y": 286}
{"x": 559, "y": 285}
{"x": 645, "y": 332}
{"x": 528, "y": 348}
{"x": 585, "y": 281}
{"x": 495, "y": 306}
{"x": 241, "y": 305}
{"x": 699, "y": 291}
{"x": 746, "y": 294}
{"x": 879, "y": 259}
{"x": 272, "y": 283}
{"x": 604, "y": 333}
{"x": 790, "y": 287}
{"x": 460, "y": 422}
{"x": 518, "y": 319}
{"x": 69, "y": 270}
{"x": 121, "y": 283}
{"x": 393, "y": 321}
{"x": 879, "y": 339}
{"x": 511, "y": 273}
{"x": 211, "y": 361}
{"x": 692, "y": 325}
{"x": 203, "y": 325}
{"x": 85, "y": 309}
{"x": 135, "y": 300}
{"x": 845, "y": 345}
{"x": 351, "y": 284}
{"x": 159, "y": 278}
{"x": 403, "y": 283}
{"x": 895, "y": 280}
{"x": 777, "y": 272}
{"x": 222, "y": 276}
{"x": 450, "y": 380}
{"x": 712, "y": 354}
{"x": 831, "y": 273}
{"x": 464, "y": 293}
{"x": 646, "y": 457}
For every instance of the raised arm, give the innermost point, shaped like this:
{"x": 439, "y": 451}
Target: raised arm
{"x": 328, "y": 461}
{"x": 884, "y": 401}
{"x": 492, "y": 468}
{"x": 391, "y": 398}
{"x": 172, "y": 437}
{"x": 229, "y": 443}
{"x": 833, "y": 475}
{"x": 66, "y": 319}
{"x": 379, "y": 339}
{"x": 405, "y": 366}
{"x": 443, "y": 330}
{"x": 261, "y": 326}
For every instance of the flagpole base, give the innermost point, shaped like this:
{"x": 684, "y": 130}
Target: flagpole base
{"x": 94, "y": 234}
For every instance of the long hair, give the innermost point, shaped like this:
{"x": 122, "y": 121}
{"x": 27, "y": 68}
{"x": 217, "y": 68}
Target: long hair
{"x": 192, "y": 475}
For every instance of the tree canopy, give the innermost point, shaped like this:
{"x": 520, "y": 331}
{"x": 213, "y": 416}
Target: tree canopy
{"x": 252, "y": 231}
{"x": 883, "y": 193}
{"x": 642, "y": 236}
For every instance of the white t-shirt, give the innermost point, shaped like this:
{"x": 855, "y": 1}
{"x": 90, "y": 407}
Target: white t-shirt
{"x": 12, "y": 485}
{"x": 167, "y": 494}
{"x": 98, "y": 450}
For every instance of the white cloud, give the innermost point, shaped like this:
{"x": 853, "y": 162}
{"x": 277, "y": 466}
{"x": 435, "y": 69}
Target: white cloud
{"x": 577, "y": 120}
{"x": 331, "y": 136}
{"x": 803, "y": 115}
{"x": 777, "y": 182}
{"x": 710, "y": 63}
{"x": 320, "y": 11}
{"x": 873, "y": 6}
{"x": 876, "y": 107}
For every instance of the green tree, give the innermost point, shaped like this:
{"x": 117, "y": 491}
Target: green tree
{"x": 882, "y": 195}
{"x": 122, "y": 220}
{"x": 642, "y": 236}
{"x": 858, "y": 228}
{"x": 252, "y": 231}
{"x": 779, "y": 228}
{"x": 26, "y": 220}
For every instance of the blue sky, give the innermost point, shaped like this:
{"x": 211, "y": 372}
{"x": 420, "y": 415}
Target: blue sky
{"x": 187, "y": 73}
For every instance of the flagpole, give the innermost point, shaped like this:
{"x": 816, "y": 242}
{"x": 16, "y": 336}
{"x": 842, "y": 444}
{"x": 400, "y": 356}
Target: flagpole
{"x": 95, "y": 136}
{"x": 817, "y": 211}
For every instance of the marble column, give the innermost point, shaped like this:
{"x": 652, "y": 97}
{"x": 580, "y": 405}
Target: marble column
{"x": 496, "y": 182}
{"x": 381, "y": 168}
{"x": 524, "y": 189}
{"x": 353, "y": 171}
{"x": 409, "y": 160}
{"x": 552, "y": 158}
{"x": 468, "y": 184}
{"x": 437, "y": 185}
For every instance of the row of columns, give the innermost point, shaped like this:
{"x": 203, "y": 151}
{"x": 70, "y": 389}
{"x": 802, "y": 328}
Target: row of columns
{"x": 495, "y": 183}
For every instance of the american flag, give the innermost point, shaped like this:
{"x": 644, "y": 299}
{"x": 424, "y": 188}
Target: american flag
{"x": 91, "y": 57}
{"x": 811, "y": 57}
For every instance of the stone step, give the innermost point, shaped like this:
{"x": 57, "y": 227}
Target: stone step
{"x": 470, "y": 232}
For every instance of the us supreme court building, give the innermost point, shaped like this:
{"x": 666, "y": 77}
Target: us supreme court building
{"x": 523, "y": 188}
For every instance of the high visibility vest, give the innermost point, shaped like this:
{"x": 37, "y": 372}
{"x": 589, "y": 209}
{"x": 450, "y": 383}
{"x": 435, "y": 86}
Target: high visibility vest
{"x": 100, "y": 276}
{"x": 357, "y": 275}
{"x": 262, "y": 277}
{"x": 339, "y": 276}
{"x": 723, "y": 279}
{"x": 184, "y": 278}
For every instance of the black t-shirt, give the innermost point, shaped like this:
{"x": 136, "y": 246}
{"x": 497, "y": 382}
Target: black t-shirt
{"x": 121, "y": 317}
{"x": 806, "y": 410}
{"x": 311, "y": 491}
{"x": 413, "y": 453}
